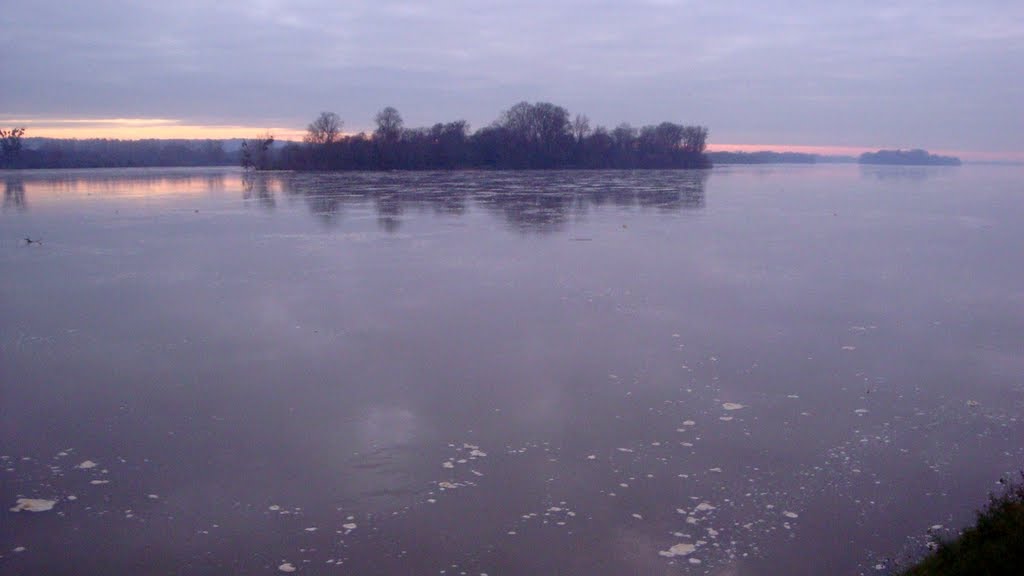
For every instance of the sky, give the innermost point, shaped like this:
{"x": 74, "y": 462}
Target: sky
{"x": 773, "y": 74}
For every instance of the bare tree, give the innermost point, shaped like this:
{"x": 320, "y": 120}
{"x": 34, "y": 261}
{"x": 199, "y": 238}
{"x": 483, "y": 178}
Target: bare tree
{"x": 580, "y": 127}
{"x": 10, "y": 145}
{"x": 695, "y": 139}
{"x": 326, "y": 129}
{"x": 256, "y": 153}
{"x": 389, "y": 124}
{"x": 624, "y": 135}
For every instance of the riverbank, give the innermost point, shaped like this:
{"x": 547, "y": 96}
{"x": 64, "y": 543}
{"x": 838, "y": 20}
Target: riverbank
{"x": 993, "y": 546}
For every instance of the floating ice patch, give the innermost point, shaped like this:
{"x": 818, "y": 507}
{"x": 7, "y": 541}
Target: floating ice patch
{"x": 681, "y": 549}
{"x": 475, "y": 473}
{"x": 87, "y": 465}
{"x": 311, "y": 529}
{"x": 972, "y": 403}
{"x": 794, "y": 396}
{"x": 936, "y": 527}
{"x": 33, "y": 505}
{"x": 273, "y": 507}
{"x": 478, "y": 453}
{"x": 860, "y": 411}
{"x": 286, "y": 567}
{"x": 98, "y": 482}
{"x": 349, "y": 527}
{"x": 703, "y": 507}
{"x": 789, "y": 514}
{"x": 448, "y": 464}
{"x": 447, "y": 485}
{"x": 689, "y": 423}
{"x": 849, "y": 347}
{"x": 152, "y": 496}
{"x": 732, "y": 406}
{"x": 592, "y": 457}
{"x": 694, "y": 561}
{"x": 725, "y": 418}
{"x": 18, "y": 549}
{"x": 637, "y": 516}
{"x": 72, "y": 497}
{"x": 625, "y": 449}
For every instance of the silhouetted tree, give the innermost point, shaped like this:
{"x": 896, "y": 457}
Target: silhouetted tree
{"x": 387, "y": 136}
{"x": 695, "y": 139}
{"x": 580, "y": 127}
{"x": 389, "y": 124}
{"x": 256, "y": 154}
{"x": 324, "y": 130}
{"x": 537, "y": 135}
{"x": 10, "y": 145}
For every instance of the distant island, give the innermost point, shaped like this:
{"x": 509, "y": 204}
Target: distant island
{"x": 915, "y": 157}
{"x": 762, "y": 157}
{"x": 527, "y": 136}
{"x": 772, "y": 157}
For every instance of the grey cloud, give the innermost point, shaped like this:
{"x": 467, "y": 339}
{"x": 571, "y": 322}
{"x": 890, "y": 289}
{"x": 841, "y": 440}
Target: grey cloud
{"x": 941, "y": 75}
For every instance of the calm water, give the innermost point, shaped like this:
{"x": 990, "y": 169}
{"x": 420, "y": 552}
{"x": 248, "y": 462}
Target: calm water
{"x": 759, "y": 370}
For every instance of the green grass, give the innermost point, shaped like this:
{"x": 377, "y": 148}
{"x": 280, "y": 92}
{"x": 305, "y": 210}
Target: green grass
{"x": 993, "y": 546}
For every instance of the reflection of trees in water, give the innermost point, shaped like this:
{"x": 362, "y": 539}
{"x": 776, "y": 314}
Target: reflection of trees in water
{"x": 256, "y": 185}
{"x": 903, "y": 173}
{"x": 14, "y": 193}
{"x": 389, "y": 212}
{"x": 537, "y": 202}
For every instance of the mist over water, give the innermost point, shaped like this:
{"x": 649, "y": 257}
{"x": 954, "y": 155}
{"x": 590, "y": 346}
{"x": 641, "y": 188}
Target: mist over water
{"x": 750, "y": 370}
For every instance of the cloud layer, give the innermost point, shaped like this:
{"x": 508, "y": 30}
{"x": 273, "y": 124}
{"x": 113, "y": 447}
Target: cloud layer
{"x": 943, "y": 75}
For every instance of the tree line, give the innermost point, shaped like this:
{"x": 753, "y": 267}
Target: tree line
{"x": 108, "y": 153}
{"x": 537, "y": 135}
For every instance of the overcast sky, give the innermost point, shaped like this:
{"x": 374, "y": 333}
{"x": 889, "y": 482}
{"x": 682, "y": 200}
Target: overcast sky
{"x": 944, "y": 75}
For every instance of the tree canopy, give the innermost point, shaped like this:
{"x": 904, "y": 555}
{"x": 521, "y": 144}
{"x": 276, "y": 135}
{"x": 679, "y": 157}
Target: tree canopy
{"x": 538, "y": 135}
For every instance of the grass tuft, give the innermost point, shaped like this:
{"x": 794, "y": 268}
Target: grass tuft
{"x": 992, "y": 547}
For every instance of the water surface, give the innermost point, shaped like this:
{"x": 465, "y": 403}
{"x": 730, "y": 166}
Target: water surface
{"x": 754, "y": 370}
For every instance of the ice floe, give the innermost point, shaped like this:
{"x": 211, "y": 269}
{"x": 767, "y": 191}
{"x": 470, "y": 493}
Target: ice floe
{"x": 681, "y": 549}
{"x": 33, "y": 505}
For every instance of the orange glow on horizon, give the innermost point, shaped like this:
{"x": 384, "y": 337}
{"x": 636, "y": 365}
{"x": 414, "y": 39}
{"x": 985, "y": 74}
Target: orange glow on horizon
{"x": 142, "y": 129}
{"x": 169, "y": 128}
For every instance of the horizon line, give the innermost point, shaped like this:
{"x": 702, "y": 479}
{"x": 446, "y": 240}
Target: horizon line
{"x": 171, "y": 129}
